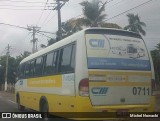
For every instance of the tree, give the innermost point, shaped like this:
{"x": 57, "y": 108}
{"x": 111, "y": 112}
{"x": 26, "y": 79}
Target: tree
{"x": 94, "y": 16}
{"x": 110, "y": 25}
{"x": 135, "y": 24}
{"x": 12, "y": 66}
{"x": 69, "y": 27}
{"x": 156, "y": 53}
{"x": 93, "y": 13}
{"x": 22, "y": 56}
{"x": 50, "y": 42}
{"x": 156, "y": 61}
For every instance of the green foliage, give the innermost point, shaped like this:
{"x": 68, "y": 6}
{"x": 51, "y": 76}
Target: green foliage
{"x": 51, "y": 41}
{"x": 135, "y": 24}
{"x": 156, "y": 60}
{"x": 69, "y": 27}
{"x": 110, "y": 25}
{"x": 156, "y": 53}
{"x": 94, "y": 16}
{"x": 93, "y": 13}
{"x": 12, "y": 67}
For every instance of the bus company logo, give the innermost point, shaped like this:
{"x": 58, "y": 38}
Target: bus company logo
{"x": 97, "y": 43}
{"x": 99, "y": 91}
{"x": 20, "y": 82}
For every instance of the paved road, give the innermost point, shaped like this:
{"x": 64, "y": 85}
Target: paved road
{"x": 7, "y": 104}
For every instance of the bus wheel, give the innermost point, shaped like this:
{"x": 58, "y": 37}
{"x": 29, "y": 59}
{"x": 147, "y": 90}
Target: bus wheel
{"x": 44, "y": 108}
{"x": 19, "y": 106}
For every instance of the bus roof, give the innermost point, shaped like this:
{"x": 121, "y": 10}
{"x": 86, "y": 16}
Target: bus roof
{"x": 68, "y": 40}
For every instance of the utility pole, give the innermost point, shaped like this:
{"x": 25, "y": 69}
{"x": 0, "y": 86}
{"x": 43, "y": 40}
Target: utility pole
{"x": 34, "y": 29}
{"x": 59, "y": 3}
{"x": 59, "y": 20}
{"x": 6, "y": 73}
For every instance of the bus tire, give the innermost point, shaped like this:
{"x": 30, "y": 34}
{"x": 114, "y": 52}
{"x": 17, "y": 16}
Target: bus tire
{"x": 19, "y": 106}
{"x": 44, "y": 108}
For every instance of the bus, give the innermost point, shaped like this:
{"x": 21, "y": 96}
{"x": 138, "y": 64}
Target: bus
{"x": 81, "y": 74}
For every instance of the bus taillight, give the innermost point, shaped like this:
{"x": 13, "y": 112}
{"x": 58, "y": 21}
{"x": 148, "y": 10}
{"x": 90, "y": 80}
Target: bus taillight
{"x": 84, "y": 87}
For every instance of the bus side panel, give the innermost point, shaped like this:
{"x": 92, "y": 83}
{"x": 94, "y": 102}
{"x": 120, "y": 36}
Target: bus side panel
{"x": 81, "y": 70}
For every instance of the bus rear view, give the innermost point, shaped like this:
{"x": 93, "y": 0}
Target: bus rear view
{"x": 119, "y": 74}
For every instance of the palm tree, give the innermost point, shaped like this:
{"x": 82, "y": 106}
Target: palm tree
{"x": 135, "y": 24}
{"x": 93, "y": 13}
{"x": 69, "y": 27}
{"x": 156, "y": 61}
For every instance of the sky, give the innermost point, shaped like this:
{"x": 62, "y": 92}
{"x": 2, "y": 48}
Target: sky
{"x": 31, "y": 13}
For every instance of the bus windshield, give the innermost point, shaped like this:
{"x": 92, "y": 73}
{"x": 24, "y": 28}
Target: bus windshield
{"x": 118, "y": 51}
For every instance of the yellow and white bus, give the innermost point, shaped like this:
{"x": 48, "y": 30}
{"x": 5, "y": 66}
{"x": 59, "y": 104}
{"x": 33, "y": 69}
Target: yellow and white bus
{"x": 82, "y": 74}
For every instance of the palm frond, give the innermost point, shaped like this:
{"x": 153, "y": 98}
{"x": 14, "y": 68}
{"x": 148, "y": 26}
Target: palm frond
{"x": 135, "y": 24}
{"x": 93, "y": 12}
{"x": 126, "y": 27}
{"x": 102, "y": 8}
{"x": 141, "y": 30}
{"x": 110, "y": 25}
{"x": 142, "y": 23}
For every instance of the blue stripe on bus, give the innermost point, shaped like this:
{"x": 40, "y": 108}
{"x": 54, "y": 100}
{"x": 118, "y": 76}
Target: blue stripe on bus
{"x": 117, "y": 63}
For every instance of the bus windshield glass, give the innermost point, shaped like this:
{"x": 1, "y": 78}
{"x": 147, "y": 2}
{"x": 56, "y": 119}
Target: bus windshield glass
{"x": 118, "y": 51}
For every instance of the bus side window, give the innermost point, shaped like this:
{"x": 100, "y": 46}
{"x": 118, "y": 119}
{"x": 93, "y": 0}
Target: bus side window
{"x": 31, "y": 72}
{"x": 38, "y": 66}
{"x": 21, "y": 71}
{"x": 73, "y": 57}
{"x": 26, "y": 71}
{"x": 55, "y": 61}
{"x": 65, "y": 60}
{"x": 48, "y": 69}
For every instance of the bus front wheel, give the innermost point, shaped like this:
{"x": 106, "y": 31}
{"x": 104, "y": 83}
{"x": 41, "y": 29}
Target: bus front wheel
{"x": 19, "y": 106}
{"x": 44, "y": 108}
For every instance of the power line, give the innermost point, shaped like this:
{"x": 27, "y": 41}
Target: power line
{"x": 13, "y": 26}
{"x": 82, "y": 13}
{"x": 42, "y": 13}
{"x": 49, "y": 20}
{"x": 47, "y": 32}
{"x": 51, "y": 17}
{"x": 46, "y": 18}
{"x": 128, "y": 10}
{"x": 19, "y": 9}
{"x": 21, "y": 1}
{"x": 45, "y": 35}
{"x": 59, "y": 5}
{"x": 21, "y": 6}
{"x": 114, "y": 4}
{"x": 24, "y": 28}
